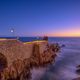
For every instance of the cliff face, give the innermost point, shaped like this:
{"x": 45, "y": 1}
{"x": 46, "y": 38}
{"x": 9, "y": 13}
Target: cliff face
{"x": 12, "y": 50}
{"x": 18, "y": 58}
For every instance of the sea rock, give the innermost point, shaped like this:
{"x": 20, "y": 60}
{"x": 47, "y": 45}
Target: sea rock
{"x": 63, "y": 45}
{"x": 76, "y": 78}
{"x": 55, "y": 47}
{"x": 78, "y": 71}
{"x": 78, "y": 66}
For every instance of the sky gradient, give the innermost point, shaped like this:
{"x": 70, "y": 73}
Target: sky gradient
{"x": 40, "y": 17}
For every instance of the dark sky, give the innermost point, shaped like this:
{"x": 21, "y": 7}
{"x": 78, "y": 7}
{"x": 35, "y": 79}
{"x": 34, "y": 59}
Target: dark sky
{"x": 40, "y": 17}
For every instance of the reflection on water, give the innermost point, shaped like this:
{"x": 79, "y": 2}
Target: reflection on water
{"x": 65, "y": 65}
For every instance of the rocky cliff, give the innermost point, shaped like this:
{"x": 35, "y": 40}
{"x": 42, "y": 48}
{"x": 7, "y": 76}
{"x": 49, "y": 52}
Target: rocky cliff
{"x": 17, "y": 58}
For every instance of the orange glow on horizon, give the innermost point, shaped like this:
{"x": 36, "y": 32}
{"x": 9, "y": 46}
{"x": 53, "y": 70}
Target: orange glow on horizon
{"x": 72, "y": 33}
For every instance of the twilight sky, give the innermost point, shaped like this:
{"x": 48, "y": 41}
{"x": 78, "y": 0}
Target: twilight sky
{"x": 40, "y": 17}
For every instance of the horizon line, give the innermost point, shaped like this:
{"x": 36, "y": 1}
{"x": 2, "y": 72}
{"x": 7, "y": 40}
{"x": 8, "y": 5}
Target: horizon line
{"x": 39, "y": 36}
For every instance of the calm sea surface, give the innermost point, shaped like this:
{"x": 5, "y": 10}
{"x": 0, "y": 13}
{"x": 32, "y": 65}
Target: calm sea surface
{"x": 66, "y": 61}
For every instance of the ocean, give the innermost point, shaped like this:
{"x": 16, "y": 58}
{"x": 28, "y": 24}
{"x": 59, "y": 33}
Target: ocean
{"x": 66, "y": 61}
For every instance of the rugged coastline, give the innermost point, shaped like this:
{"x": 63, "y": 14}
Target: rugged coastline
{"x": 18, "y": 58}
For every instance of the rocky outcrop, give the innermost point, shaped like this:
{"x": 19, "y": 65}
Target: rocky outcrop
{"x": 76, "y": 78}
{"x": 78, "y": 69}
{"x": 78, "y": 72}
{"x": 19, "y": 58}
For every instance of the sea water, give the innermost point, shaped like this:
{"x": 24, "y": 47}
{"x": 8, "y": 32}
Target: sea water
{"x": 66, "y": 61}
